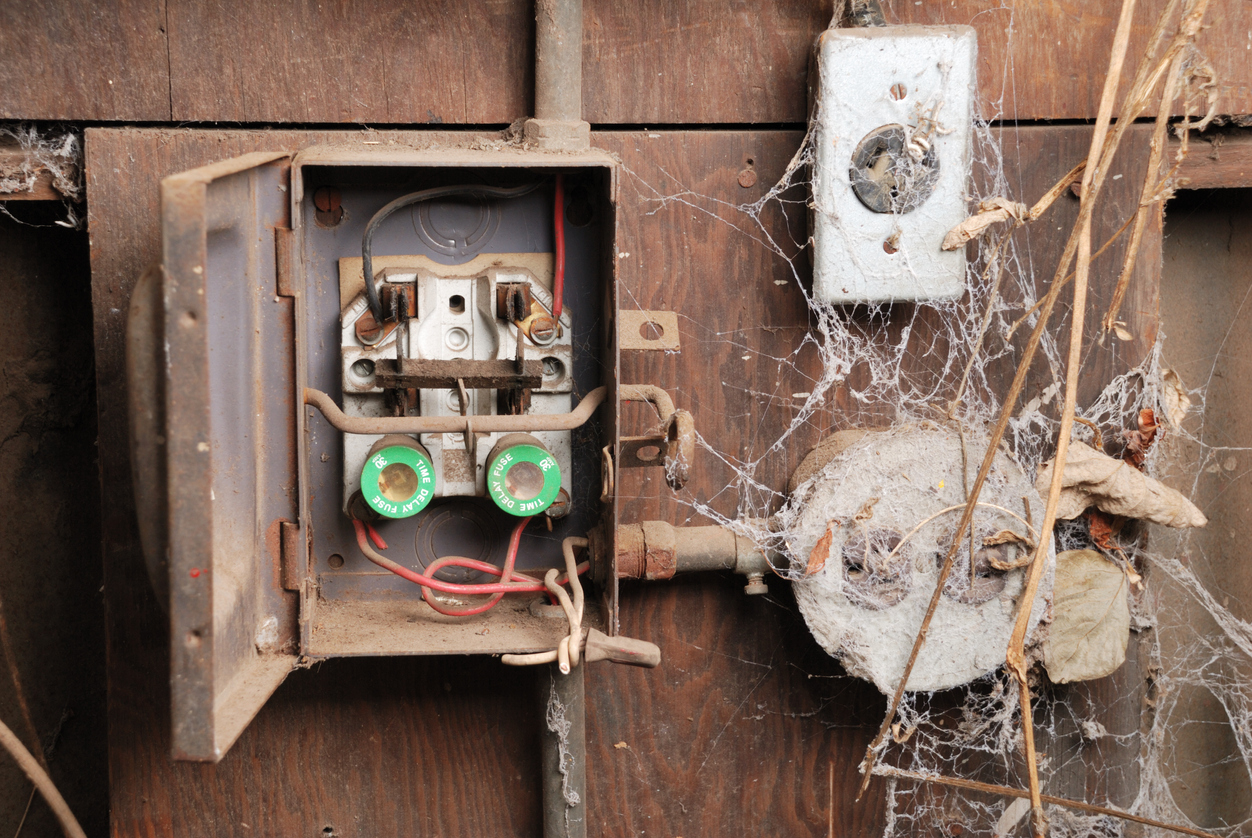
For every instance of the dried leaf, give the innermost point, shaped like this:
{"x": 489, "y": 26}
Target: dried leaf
{"x": 620, "y": 745}
{"x": 1122, "y": 332}
{"x": 1092, "y": 478}
{"x": 990, "y": 212}
{"x": 1091, "y": 622}
{"x": 1005, "y": 537}
{"x": 817, "y": 557}
{"x": 1102, "y": 527}
{"x": 1139, "y": 441}
{"x": 1174, "y": 394}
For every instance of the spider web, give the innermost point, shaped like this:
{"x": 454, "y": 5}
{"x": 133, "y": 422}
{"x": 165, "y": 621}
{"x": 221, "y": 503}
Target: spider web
{"x": 908, "y": 374}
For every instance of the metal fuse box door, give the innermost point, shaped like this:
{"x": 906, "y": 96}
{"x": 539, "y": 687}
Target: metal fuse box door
{"x": 212, "y": 365}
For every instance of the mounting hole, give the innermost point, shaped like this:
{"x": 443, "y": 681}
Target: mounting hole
{"x": 898, "y": 91}
{"x": 647, "y": 453}
{"x": 453, "y": 401}
{"x": 988, "y": 582}
{"x": 193, "y": 638}
{"x": 553, "y": 371}
{"x": 651, "y": 330}
{"x": 873, "y": 577}
{"x": 363, "y": 369}
{"x": 335, "y": 560}
{"x": 456, "y": 304}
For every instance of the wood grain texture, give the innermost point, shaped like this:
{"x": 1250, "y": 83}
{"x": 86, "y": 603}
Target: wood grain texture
{"x": 437, "y": 61}
{"x": 84, "y": 61}
{"x": 1223, "y": 162}
{"x": 653, "y": 63}
{"x": 748, "y": 725}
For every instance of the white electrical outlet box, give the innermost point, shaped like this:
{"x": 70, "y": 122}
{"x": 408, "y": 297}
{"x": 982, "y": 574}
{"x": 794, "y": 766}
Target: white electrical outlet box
{"x": 892, "y": 113}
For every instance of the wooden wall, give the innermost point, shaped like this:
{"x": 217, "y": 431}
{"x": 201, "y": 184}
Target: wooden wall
{"x": 442, "y": 61}
{"x": 748, "y": 726}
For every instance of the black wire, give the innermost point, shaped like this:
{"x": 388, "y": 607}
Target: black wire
{"x": 367, "y": 241}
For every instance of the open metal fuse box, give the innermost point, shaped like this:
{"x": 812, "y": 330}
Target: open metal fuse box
{"x": 284, "y": 405}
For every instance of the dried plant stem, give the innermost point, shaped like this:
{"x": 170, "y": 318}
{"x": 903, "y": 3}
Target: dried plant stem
{"x": 1150, "y": 188}
{"x": 1019, "y": 380}
{"x": 1016, "y": 654}
{"x": 1007, "y": 791}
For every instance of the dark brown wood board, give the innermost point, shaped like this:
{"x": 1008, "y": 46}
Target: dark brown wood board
{"x": 437, "y": 61}
{"x": 653, "y": 63}
{"x": 84, "y": 61}
{"x": 747, "y": 726}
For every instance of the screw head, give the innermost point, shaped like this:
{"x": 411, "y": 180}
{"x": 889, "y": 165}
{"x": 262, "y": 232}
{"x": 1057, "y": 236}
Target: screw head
{"x": 543, "y": 329}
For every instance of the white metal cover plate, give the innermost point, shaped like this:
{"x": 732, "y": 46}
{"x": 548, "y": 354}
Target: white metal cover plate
{"x": 866, "y": 256}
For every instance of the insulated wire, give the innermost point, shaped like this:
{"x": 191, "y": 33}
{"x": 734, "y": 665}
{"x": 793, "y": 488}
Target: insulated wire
{"x": 558, "y": 229}
{"x": 528, "y": 584}
{"x": 367, "y": 240}
{"x": 32, "y": 769}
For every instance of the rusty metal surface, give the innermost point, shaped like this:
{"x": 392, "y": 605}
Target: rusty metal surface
{"x": 230, "y": 425}
{"x": 638, "y": 329}
{"x": 340, "y": 421}
{"x": 145, "y": 348}
{"x": 482, "y": 374}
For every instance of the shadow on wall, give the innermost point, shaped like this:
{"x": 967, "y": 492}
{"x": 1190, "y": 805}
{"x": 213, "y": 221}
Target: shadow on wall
{"x": 1206, "y": 308}
{"x": 52, "y": 683}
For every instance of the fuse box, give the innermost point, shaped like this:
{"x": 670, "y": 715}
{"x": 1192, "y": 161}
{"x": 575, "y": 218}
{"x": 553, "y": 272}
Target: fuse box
{"x": 283, "y": 404}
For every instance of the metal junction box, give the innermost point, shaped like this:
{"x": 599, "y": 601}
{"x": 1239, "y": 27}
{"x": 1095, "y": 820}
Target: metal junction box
{"x": 246, "y": 487}
{"x": 892, "y": 115}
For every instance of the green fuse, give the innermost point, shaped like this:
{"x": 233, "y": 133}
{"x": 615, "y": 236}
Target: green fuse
{"x": 523, "y": 477}
{"x": 398, "y": 478}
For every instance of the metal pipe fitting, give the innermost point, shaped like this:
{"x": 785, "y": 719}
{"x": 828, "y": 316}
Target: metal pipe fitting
{"x": 656, "y": 550}
{"x": 558, "y": 77}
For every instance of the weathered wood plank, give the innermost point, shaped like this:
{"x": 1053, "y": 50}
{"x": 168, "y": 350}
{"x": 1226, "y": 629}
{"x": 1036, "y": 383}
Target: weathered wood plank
{"x": 441, "y": 61}
{"x": 88, "y": 61}
{"x": 437, "y": 61}
{"x": 1220, "y": 161}
{"x": 731, "y": 734}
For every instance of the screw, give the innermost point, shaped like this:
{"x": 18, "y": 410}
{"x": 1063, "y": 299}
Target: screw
{"x": 756, "y": 584}
{"x": 543, "y": 329}
{"x": 560, "y": 507}
{"x": 328, "y": 203}
{"x": 747, "y": 178}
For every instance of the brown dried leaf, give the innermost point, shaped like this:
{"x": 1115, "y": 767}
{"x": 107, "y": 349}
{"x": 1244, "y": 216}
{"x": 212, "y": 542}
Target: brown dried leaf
{"x": 1177, "y": 402}
{"x": 817, "y": 557}
{"x": 1005, "y": 537}
{"x": 1138, "y": 442}
{"x": 990, "y": 212}
{"x": 1092, "y": 478}
{"x": 1091, "y": 622}
{"x": 1102, "y": 527}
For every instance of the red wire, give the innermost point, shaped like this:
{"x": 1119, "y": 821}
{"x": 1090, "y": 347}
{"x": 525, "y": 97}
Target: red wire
{"x": 558, "y": 224}
{"x": 428, "y": 582}
{"x": 458, "y": 561}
